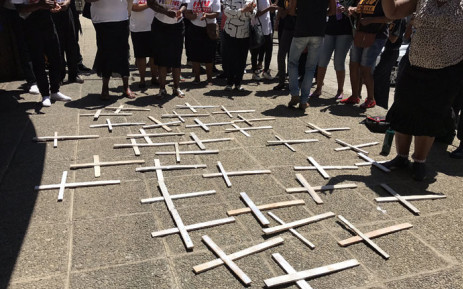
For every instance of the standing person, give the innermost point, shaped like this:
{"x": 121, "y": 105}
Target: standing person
{"x": 431, "y": 78}
{"x": 111, "y": 21}
{"x": 140, "y": 28}
{"x": 42, "y": 40}
{"x": 308, "y": 33}
{"x": 339, "y": 39}
{"x": 202, "y": 48}
{"x": 236, "y": 39}
{"x": 263, "y": 16}
{"x": 167, "y": 36}
{"x": 370, "y": 19}
{"x": 458, "y": 109}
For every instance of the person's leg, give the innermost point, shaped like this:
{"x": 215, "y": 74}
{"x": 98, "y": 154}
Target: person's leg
{"x": 52, "y": 51}
{"x": 382, "y": 76}
{"x": 254, "y": 55}
{"x": 154, "y": 71}
{"x": 367, "y": 78}
{"x": 58, "y": 20}
{"x": 227, "y": 60}
{"x": 342, "y": 46}
{"x": 423, "y": 145}
{"x": 36, "y": 49}
{"x": 268, "y": 50}
{"x": 315, "y": 45}
{"x": 368, "y": 61}
{"x": 402, "y": 145}
{"x": 72, "y": 49}
{"x": 140, "y": 62}
{"x": 105, "y": 89}
{"x": 209, "y": 67}
{"x": 325, "y": 56}
{"x": 298, "y": 44}
{"x": 283, "y": 51}
{"x": 127, "y": 91}
{"x": 354, "y": 72}
{"x": 196, "y": 71}
{"x": 176, "y": 77}
{"x": 162, "y": 77}
{"x": 241, "y": 54}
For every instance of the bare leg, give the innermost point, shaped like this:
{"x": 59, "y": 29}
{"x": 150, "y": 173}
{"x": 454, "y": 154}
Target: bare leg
{"x": 176, "y": 76}
{"x": 367, "y": 78}
{"x": 209, "y": 72}
{"x": 162, "y": 76}
{"x": 105, "y": 89}
{"x": 355, "y": 80}
{"x": 154, "y": 70}
{"x": 340, "y": 76}
{"x": 321, "y": 72}
{"x": 127, "y": 92}
{"x": 402, "y": 143}
{"x": 423, "y": 145}
{"x": 141, "y": 65}
{"x": 196, "y": 71}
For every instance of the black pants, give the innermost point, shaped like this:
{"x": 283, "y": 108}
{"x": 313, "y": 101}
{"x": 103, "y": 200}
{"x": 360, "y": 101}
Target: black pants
{"x": 283, "y": 50}
{"x": 43, "y": 41}
{"x": 64, "y": 22}
{"x": 234, "y": 58}
{"x": 458, "y": 109}
{"x": 266, "y": 49}
{"x": 382, "y": 76}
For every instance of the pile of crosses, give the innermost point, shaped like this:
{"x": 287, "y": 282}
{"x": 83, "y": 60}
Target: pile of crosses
{"x": 228, "y": 260}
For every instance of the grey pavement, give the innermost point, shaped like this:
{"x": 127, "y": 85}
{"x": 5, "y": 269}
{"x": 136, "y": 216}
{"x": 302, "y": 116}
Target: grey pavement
{"x": 99, "y": 237}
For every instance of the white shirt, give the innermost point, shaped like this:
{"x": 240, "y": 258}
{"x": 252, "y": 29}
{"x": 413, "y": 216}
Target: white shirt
{"x": 264, "y": 18}
{"x": 237, "y": 23}
{"x": 109, "y": 11}
{"x": 208, "y": 6}
{"x": 170, "y": 5}
{"x": 141, "y": 21}
{"x": 25, "y": 2}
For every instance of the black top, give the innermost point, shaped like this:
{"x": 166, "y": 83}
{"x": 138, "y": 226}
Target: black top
{"x": 289, "y": 21}
{"x": 397, "y": 28}
{"x": 311, "y": 18}
{"x": 338, "y": 27}
{"x": 372, "y": 8}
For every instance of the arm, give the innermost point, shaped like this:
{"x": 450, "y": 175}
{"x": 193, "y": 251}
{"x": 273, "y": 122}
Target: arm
{"x": 153, "y": 4}
{"x": 41, "y": 5}
{"x": 236, "y": 13}
{"x": 331, "y": 7}
{"x": 139, "y": 7}
{"x": 396, "y": 9}
{"x": 292, "y": 7}
{"x": 270, "y": 8}
{"x": 211, "y": 15}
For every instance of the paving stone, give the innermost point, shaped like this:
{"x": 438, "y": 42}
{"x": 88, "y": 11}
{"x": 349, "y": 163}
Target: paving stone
{"x": 45, "y": 283}
{"x": 452, "y": 278}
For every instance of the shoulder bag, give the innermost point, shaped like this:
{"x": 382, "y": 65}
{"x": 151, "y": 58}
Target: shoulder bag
{"x": 256, "y": 35}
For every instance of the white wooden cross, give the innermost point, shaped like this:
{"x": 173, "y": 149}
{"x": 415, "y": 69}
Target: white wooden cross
{"x": 250, "y": 121}
{"x": 143, "y": 134}
{"x": 194, "y": 107}
{"x": 228, "y": 259}
{"x": 356, "y": 148}
{"x": 298, "y": 223}
{"x": 374, "y": 163}
{"x": 164, "y": 126}
{"x": 63, "y": 185}
{"x": 177, "y": 152}
{"x": 364, "y": 237}
{"x": 224, "y": 174}
{"x": 375, "y": 234}
{"x": 324, "y": 131}
{"x": 158, "y": 168}
{"x": 293, "y": 231}
{"x": 265, "y": 207}
{"x": 194, "y": 227}
{"x": 97, "y": 164}
{"x": 205, "y": 126}
{"x": 322, "y": 169}
{"x": 136, "y": 150}
{"x": 287, "y": 143}
{"x": 181, "y": 116}
{"x": 306, "y": 187}
{"x": 110, "y": 125}
{"x": 200, "y": 142}
{"x": 55, "y": 138}
{"x": 255, "y": 210}
{"x": 299, "y": 277}
{"x": 121, "y": 108}
{"x": 244, "y": 129}
{"x": 229, "y": 112}
{"x": 98, "y": 113}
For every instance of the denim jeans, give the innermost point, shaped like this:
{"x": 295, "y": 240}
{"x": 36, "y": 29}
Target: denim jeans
{"x": 298, "y": 45}
{"x": 340, "y": 44}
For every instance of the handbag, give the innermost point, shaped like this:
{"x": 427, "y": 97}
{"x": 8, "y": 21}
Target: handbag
{"x": 363, "y": 39}
{"x": 256, "y": 35}
{"x": 212, "y": 29}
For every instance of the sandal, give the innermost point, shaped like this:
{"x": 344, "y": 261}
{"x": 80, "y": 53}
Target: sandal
{"x": 369, "y": 103}
{"x": 315, "y": 94}
{"x": 129, "y": 94}
{"x": 178, "y": 92}
{"x": 350, "y": 100}
{"x": 162, "y": 92}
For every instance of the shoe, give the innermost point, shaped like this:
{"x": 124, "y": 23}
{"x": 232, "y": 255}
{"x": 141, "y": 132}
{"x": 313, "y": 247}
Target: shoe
{"x": 315, "y": 95}
{"x": 196, "y": 81}
{"x": 142, "y": 85}
{"x": 46, "y": 102}
{"x": 369, "y": 103}
{"x": 267, "y": 75}
{"x": 58, "y": 96}
{"x": 294, "y": 101}
{"x": 280, "y": 86}
{"x": 340, "y": 96}
{"x": 255, "y": 76}
{"x": 178, "y": 92}
{"x": 458, "y": 153}
{"x": 303, "y": 106}
{"x": 222, "y": 75}
{"x": 418, "y": 171}
{"x": 83, "y": 68}
{"x": 397, "y": 163}
{"x": 239, "y": 87}
{"x": 76, "y": 79}
{"x": 162, "y": 92}
{"x": 34, "y": 89}
{"x": 350, "y": 100}
{"x": 229, "y": 87}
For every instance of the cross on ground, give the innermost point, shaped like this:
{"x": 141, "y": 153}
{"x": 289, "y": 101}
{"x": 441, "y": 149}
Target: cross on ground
{"x": 229, "y": 112}
{"x": 224, "y": 174}
{"x": 193, "y": 107}
{"x": 322, "y": 169}
{"x": 55, "y": 138}
{"x": 277, "y": 205}
{"x": 110, "y": 125}
{"x": 205, "y": 126}
{"x": 181, "y": 116}
{"x": 97, "y": 164}
{"x": 293, "y": 231}
{"x": 356, "y": 148}
{"x": 287, "y": 143}
{"x": 164, "y": 125}
{"x": 374, "y": 163}
{"x": 99, "y": 113}
{"x": 177, "y": 152}
{"x": 250, "y": 121}
{"x": 244, "y": 129}
{"x": 375, "y": 234}
{"x": 200, "y": 142}
{"x": 158, "y": 168}
{"x": 121, "y": 108}
{"x": 298, "y": 223}
{"x": 324, "y": 131}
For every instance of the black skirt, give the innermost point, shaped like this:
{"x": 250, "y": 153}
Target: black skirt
{"x": 201, "y": 48}
{"x": 423, "y": 100}
{"x": 142, "y": 44}
{"x": 112, "y": 56}
{"x": 167, "y": 43}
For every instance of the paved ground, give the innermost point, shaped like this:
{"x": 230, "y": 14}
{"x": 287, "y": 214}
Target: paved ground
{"x": 100, "y": 237}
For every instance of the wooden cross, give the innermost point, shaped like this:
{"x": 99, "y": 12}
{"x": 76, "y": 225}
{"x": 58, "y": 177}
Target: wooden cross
{"x": 364, "y": 237}
{"x": 63, "y": 185}
{"x": 374, "y": 163}
{"x": 158, "y": 168}
{"x": 110, "y": 125}
{"x": 193, "y": 107}
{"x": 228, "y": 259}
{"x": 375, "y": 234}
{"x": 158, "y": 123}
{"x": 410, "y": 198}
{"x": 244, "y": 129}
{"x": 298, "y": 223}
{"x": 324, "y": 131}
{"x": 177, "y": 152}
{"x": 255, "y": 210}
{"x": 293, "y": 231}
{"x": 205, "y": 126}
{"x": 136, "y": 150}
{"x": 306, "y": 187}
{"x": 405, "y": 199}
{"x": 356, "y": 148}
{"x": 299, "y": 277}
{"x": 121, "y": 108}
{"x": 178, "y": 196}
{"x": 55, "y": 138}
{"x": 98, "y": 113}
{"x": 224, "y": 174}
{"x": 200, "y": 142}
{"x": 194, "y": 227}
{"x": 287, "y": 143}
{"x": 249, "y": 121}
{"x": 97, "y": 164}
{"x": 229, "y": 112}
{"x": 266, "y": 207}
{"x": 181, "y": 116}
{"x": 143, "y": 134}
{"x": 322, "y": 169}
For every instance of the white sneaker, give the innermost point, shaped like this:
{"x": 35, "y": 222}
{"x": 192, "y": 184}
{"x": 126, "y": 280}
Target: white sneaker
{"x": 267, "y": 75}
{"x": 34, "y": 89}
{"x": 228, "y": 87}
{"x": 58, "y": 96}
{"x": 255, "y": 76}
{"x": 46, "y": 102}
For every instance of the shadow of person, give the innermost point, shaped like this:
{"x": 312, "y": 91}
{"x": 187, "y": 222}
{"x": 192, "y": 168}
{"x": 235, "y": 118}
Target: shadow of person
{"x": 272, "y": 93}
{"x": 228, "y": 93}
{"x": 92, "y": 101}
{"x": 343, "y": 110}
{"x": 284, "y": 111}
{"x": 150, "y": 100}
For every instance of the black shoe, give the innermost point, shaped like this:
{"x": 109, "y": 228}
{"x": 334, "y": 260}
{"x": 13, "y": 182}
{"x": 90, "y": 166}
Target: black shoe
{"x": 222, "y": 75}
{"x": 215, "y": 70}
{"x": 397, "y": 163}
{"x": 458, "y": 153}
{"x": 76, "y": 79}
{"x": 280, "y": 86}
{"x": 418, "y": 171}
{"x": 83, "y": 68}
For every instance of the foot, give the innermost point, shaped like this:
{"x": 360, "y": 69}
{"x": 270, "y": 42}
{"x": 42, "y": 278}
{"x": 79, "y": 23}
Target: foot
{"x": 458, "y": 153}
{"x": 398, "y": 162}
{"x": 239, "y": 87}
{"x": 419, "y": 171}
{"x": 34, "y": 89}
{"x": 255, "y": 76}
{"x": 316, "y": 94}
{"x": 280, "y": 86}
{"x": 196, "y": 81}
{"x": 350, "y": 100}
{"x": 369, "y": 103}
{"x": 303, "y": 106}
{"x": 58, "y": 96}
{"x": 83, "y": 68}
{"x": 178, "y": 92}
{"x": 229, "y": 87}
{"x": 266, "y": 74}
{"x": 76, "y": 79}
{"x": 339, "y": 95}
{"x": 46, "y": 102}
{"x": 294, "y": 101}
{"x": 162, "y": 92}
{"x": 129, "y": 94}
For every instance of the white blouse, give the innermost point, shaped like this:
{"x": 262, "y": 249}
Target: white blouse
{"x": 141, "y": 21}
{"x": 237, "y": 23}
{"x": 208, "y": 6}
{"x": 109, "y": 11}
{"x": 170, "y": 5}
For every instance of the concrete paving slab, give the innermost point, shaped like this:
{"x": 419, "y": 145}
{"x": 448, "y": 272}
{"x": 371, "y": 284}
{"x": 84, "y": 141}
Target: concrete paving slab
{"x": 43, "y": 283}
{"x": 452, "y": 278}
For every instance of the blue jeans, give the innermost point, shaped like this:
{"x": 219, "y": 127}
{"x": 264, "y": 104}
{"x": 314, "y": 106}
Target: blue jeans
{"x": 367, "y": 56}
{"x": 298, "y": 45}
{"x": 340, "y": 44}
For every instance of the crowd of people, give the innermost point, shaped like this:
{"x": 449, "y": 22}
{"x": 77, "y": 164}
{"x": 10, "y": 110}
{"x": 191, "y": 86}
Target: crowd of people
{"x": 429, "y": 83}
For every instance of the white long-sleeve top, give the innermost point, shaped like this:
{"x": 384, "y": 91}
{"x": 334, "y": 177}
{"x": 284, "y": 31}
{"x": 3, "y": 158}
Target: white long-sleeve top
{"x": 237, "y": 23}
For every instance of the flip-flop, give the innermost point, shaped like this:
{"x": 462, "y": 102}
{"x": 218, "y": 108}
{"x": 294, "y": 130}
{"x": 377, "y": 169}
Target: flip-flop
{"x": 130, "y": 95}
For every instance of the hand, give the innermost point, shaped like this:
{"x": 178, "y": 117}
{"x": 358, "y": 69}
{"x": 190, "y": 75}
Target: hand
{"x": 171, "y": 14}
{"x": 248, "y": 8}
{"x": 273, "y": 8}
{"x": 56, "y": 8}
{"x": 203, "y": 17}
{"x": 48, "y": 4}
{"x": 179, "y": 14}
{"x": 352, "y": 11}
{"x": 340, "y": 9}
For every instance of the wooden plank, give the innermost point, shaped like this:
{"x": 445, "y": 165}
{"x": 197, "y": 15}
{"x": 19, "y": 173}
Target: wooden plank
{"x": 119, "y": 108}
{"x": 267, "y": 207}
{"x": 162, "y": 125}
{"x": 76, "y": 185}
{"x": 223, "y": 174}
{"x": 309, "y": 189}
{"x": 304, "y": 168}
{"x": 194, "y": 227}
{"x": 55, "y": 141}
{"x": 202, "y": 125}
{"x": 328, "y": 129}
{"x": 159, "y": 174}
{"x": 322, "y": 188}
{"x": 295, "y": 141}
{"x": 289, "y": 269}
{"x": 106, "y": 164}
{"x": 155, "y": 134}
{"x": 239, "y": 129}
{"x": 64, "y": 137}
{"x": 322, "y": 131}
{"x": 293, "y": 277}
{"x": 177, "y": 153}
{"x": 184, "y": 115}
{"x": 240, "y": 173}
{"x": 401, "y": 199}
{"x": 173, "y": 167}
{"x": 198, "y": 141}
{"x": 298, "y": 223}
{"x": 319, "y": 168}
{"x": 179, "y": 196}
{"x": 181, "y": 227}
{"x": 96, "y": 160}
{"x": 210, "y": 124}
{"x": 119, "y": 146}
{"x": 357, "y": 146}
{"x": 256, "y": 212}
{"x": 410, "y": 198}
{"x": 226, "y": 259}
{"x": 293, "y": 231}
{"x": 127, "y": 108}
{"x": 136, "y": 150}
{"x": 62, "y": 186}
{"x": 364, "y": 237}
{"x": 97, "y": 114}
{"x": 375, "y": 234}
{"x": 247, "y": 128}
{"x": 190, "y": 107}
{"x": 240, "y": 254}
{"x": 146, "y": 137}
{"x": 284, "y": 142}
{"x": 189, "y": 152}
{"x": 351, "y": 146}
{"x": 376, "y": 164}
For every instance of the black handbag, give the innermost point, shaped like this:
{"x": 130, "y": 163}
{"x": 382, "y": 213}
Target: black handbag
{"x": 256, "y": 36}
